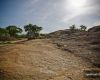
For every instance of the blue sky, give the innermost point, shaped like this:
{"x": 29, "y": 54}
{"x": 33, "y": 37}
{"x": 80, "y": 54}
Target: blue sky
{"x": 52, "y": 15}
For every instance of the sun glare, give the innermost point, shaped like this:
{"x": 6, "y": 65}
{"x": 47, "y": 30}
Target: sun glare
{"x": 77, "y": 4}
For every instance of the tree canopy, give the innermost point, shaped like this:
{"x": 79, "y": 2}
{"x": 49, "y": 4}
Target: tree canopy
{"x": 13, "y": 30}
{"x": 32, "y": 31}
{"x": 3, "y": 32}
{"x": 73, "y": 28}
{"x": 83, "y": 28}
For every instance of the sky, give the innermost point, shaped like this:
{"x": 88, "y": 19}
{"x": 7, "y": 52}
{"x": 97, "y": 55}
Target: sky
{"x": 52, "y": 15}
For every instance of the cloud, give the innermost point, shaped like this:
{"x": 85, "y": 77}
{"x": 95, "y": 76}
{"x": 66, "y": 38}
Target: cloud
{"x": 93, "y": 10}
{"x": 96, "y": 23}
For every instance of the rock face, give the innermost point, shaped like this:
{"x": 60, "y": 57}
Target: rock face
{"x": 94, "y": 35}
{"x": 83, "y": 44}
{"x": 58, "y": 34}
{"x": 94, "y": 38}
{"x": 95, "y": 29}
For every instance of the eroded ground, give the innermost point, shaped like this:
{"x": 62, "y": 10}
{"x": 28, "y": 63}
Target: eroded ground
{"x": 40, "y": 60}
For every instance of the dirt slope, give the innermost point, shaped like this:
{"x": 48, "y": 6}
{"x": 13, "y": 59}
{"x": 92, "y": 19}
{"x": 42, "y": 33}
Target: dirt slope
{"x": 39, "y": 60}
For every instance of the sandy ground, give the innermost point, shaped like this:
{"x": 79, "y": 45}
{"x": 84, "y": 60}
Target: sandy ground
{"x": 40, "y": 60}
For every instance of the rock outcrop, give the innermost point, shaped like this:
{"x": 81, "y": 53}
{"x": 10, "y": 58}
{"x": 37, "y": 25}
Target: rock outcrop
{"x": 85, "y": 44}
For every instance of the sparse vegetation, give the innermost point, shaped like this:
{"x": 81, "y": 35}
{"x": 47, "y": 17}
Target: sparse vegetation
{"x": 83, "y": 28}
{"x": 73, "y": 28}
{"x": 33, "y": 31}
{"x": 13, "y": 32}
{"x": 9, "y": 33}
{"x": 4, "y": 35}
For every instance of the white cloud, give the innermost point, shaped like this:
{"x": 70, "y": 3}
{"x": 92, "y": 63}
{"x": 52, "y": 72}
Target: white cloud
{"x": 96, "y": 23}
{"x": 88, "y": 10}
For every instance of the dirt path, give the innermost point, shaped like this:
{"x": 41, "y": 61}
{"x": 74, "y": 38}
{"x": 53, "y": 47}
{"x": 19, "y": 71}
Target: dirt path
{"x": 39, "y": 60}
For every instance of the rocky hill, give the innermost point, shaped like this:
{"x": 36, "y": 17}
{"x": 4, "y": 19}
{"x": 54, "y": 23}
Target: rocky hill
{"x": 84, "y": 44}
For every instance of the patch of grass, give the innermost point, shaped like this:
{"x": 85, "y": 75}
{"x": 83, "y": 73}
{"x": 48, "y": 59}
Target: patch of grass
{"x": 5, "y": 42}
{"x": 11, "y": 42}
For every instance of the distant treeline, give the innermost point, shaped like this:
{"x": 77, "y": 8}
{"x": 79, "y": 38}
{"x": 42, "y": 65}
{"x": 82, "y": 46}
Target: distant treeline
{"x": 33, "y": 32}
{"x": 74, "y": 29}
{"x": 13, "y": 32}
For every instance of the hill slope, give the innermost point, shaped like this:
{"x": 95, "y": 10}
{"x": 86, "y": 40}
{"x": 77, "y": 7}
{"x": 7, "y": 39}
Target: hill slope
{"x": 83, "y": 44}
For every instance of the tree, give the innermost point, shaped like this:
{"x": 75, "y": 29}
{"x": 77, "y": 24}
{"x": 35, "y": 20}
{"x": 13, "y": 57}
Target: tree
{"x": 3, "y": 32}
{"x": 4, "y": 35}
{"x": 13, "y": 30}
{"x": 32, "y": 31}
{"x": 83, "y": 28}
{"x": 72, "y": 28}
